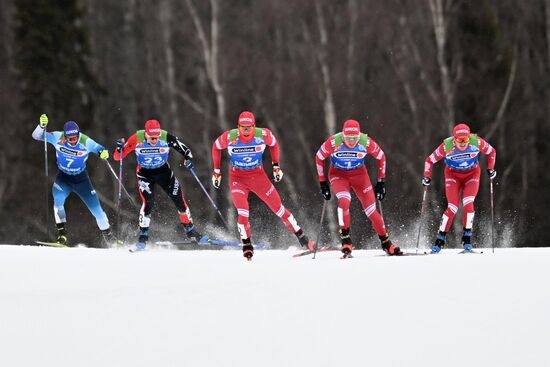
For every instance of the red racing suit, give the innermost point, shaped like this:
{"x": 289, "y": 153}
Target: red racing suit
{"x": 357, "y": 178}
{"x": 247, "y": 174}
{"x": 457, "y": 179}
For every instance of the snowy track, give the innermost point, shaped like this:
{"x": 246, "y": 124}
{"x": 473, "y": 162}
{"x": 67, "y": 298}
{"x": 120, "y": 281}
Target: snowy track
{"x": 88, "y": 307}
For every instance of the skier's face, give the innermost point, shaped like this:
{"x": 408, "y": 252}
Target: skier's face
{"x": 246, "y": 129}
{"x": 351, "y": 140}
{"x": 462, "y": 143}
{"x": 72, "y": 140}
{"x": 152, "y": 140}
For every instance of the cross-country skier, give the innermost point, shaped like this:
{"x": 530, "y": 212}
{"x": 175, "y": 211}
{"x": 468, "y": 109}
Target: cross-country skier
{"x": 347, "y": 151}
{"x": 152, "y": 147}
{"x": 461, "y": 156}
{"x": 72, "y": 149}
{"x": 246, "y": 146}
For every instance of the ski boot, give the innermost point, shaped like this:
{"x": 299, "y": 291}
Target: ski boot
{"x": 388, "y": 247}
{"x": 248, "y": 249}
{"x": 439, "y": 242}
{"x": 347, "y": 246}
{"x": 109, "y": 239}
{"x": 142, "y": 240}
{"x": 304, "y": 241}
{"x": 193, "y": 234}
{"x": 61, "y": 234}
{"x": 467, "y": 240}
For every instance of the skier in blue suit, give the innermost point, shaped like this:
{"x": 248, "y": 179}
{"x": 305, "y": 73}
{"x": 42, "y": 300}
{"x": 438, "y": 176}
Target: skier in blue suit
{"x": 72, "y": 149}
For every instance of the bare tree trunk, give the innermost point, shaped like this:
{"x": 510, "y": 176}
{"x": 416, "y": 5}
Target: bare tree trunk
{"x": 440, "y": 30}
{"x": 353, "y": 15}
{"x": 322, "y": 56}
{"x": 165, "y": 16}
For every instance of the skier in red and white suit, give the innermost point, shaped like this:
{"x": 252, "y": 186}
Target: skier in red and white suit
{"x": 347, "y": 151}
{"x": 246, "y": 146}
{"x": 461, "y": 155}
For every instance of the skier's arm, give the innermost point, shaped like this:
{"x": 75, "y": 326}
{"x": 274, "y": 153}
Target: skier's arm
{"x": 326, "y": 149}
{"x": 129, "y": 146}
{"x": 435, "y": 157}
{"x": 273, "y": 145}
{"x": 487, "y": 149}
{"x": 94, "y": 147}
{"x": 374, "y": 150}
{"x": 175, "y": 143}
{"x": 220, "y": 144}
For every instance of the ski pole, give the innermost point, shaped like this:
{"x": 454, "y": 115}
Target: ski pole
{"x": 46, "y": 183}
{"x": 421, "y": 213}
{"x": 381, "y": 212}
{"x": 208, "y": 196}
{"x": 119, "y": 197}
{"x": 120, "y": 183}
{"x": 320, "y": 227}
{"x": 492, "y": 215}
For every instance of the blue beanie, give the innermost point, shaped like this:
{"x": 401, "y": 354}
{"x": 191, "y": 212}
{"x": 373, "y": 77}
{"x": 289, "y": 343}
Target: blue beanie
{"x": 70, "y": 129}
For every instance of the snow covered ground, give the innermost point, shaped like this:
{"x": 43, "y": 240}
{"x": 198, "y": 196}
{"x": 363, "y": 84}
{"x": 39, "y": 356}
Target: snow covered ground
{"x": 90, "y": 307}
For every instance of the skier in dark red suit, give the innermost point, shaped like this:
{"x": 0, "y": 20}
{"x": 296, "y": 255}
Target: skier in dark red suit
{"x": 246, "y": 146}
{"x": 461, "y": 155}
{"x": 347, "y": 151}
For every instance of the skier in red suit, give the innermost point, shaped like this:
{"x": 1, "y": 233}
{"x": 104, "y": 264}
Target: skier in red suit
{"x": 461, "y": 156}
{"x": 246, "y": 146}
{"x": 347, "y": 151}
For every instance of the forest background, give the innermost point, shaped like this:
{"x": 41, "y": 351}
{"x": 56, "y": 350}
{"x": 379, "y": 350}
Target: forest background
{"x": 407, "y": 70}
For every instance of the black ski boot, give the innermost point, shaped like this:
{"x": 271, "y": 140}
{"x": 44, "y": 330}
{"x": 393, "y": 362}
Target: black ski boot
{"x": 61, "y": 234}
{"x": 388, "y": 247}
{"x": 304, "y": 241}
{"x": 248, "y": 249}
{"x": 439, "y": 242}
{"x": 467, "y": 240}
{"x": 347, "y": 246}
{"x": 192, "y": 233}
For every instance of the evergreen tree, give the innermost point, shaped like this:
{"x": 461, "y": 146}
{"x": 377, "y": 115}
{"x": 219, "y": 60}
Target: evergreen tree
{"x": 52, "y": 60}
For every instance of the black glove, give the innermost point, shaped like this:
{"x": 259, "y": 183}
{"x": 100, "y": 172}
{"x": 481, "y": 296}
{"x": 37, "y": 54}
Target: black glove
{"x": 325, "y": 189}
{"x": 120, "y": 144}
{"x": 426, "y": 181}
{"x": 188, "y": 163}
{"x": 492, "y": 173}
{"x": 380, "y": 189}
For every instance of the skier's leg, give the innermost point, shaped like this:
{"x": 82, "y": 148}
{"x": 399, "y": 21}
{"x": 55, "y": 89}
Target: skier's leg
{"x": 363, "y": 189}
{"x": 341, "y": 188}
{"x": 452, "y": 189}
{"x": 85, "y": 190}
{"x": 146, "y": 191}
{"x": 471, "y": 187}
{"x": 239, "y": 194}
{"x": 171, "y": 185}
{"x": 262, "y": 186}
{"x": 60, "y": 190}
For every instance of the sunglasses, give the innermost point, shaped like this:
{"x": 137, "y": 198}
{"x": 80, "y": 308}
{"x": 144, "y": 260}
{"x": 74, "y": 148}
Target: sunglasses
{"x": 462, "y": 140}
{"x": 153, "y": 138}
{"x": 351, "y": 137}
{"x": 72, "y": 139}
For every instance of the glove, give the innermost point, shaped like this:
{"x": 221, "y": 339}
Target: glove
{"x": 188, "y": 163}
{"x": 216, "y": 179}
{"x": 104, "y": 154}
{"x": 492, "y": 173}
{"x": 120, "y": 144}
{"x": 380, "y": 189}
{"x": 325, "y": 189}
{"x": 426, "y": 181}
{"x": 277, "y": 172}
{"x": 43, "y": 120}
